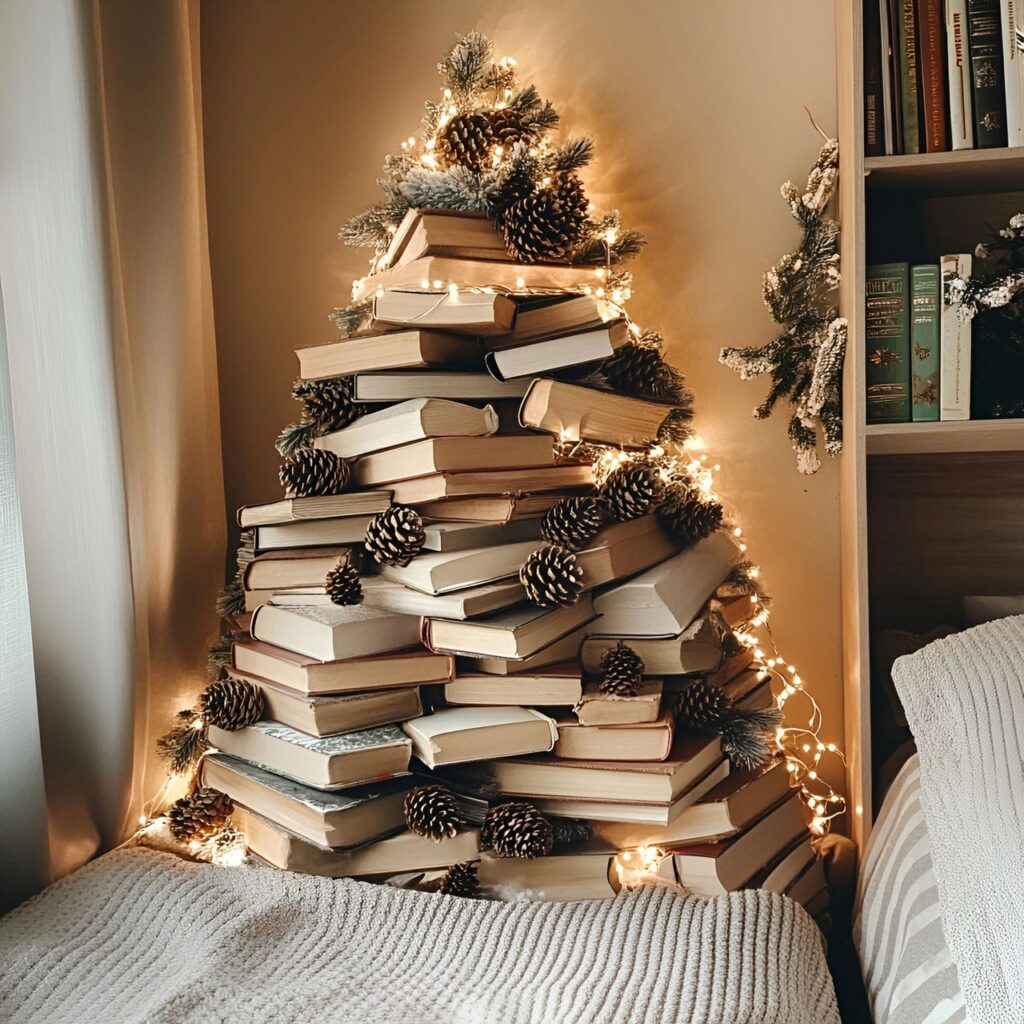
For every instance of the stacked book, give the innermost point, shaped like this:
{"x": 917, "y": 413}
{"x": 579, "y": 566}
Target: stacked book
{"x": 942, "y": 75}
{"x": 471, "y": 376}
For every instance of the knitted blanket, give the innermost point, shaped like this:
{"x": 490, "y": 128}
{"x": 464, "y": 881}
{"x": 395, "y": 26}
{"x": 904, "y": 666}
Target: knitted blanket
{"x": 964, "y": 698}
{"x": 140, "y": 936}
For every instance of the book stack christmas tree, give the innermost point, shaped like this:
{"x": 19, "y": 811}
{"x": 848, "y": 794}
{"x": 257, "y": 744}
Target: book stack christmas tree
{"x": 498, "y": 624}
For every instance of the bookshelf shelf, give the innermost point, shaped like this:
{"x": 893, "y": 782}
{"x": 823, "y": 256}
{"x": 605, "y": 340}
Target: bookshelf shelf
{"x": 928, "y": 438}
{"x": 965, "y": 172}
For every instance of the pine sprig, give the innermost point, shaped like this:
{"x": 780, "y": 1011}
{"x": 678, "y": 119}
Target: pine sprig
{"x": 351, "y": 318}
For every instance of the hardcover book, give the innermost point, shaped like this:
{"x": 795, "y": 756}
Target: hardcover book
{"x": 458, "y": 735}
{"x": 954, "y": 345}
{"x": 403, "y": 852}
{"x": 664, "y": 600}
{"x": 698, "y": 648}
{"x": 566, "y": 476}
{"x": 1011, "y": 14}
{"x": 623, "y": 549}
{"x": 471, "y": 236}
{"x": 463, "y": 536}
{"x": 332, "y": 633}
{"x": 308, "y": 675}
{"x": 933, "y": 75}
{"x": 908, "y": 66}
{"x": 439, "y": 572}
{"x": 790, "y": 867}
{"x": 958, "y": 66}
{"x": 327, "y": 715}
{"x": 985, "y": 44}
{"x": 325, "y": 762}
{"x": 537, "y": 357}
{"x": 924, "y": 342}
{"x": 550, "y": 316}
{"x": 398, "y": 386}
{"x": 578, "y": 413}
{"x": 305, "y": 567}
{"x": 640, "y": 741}
{"x": 597, "y": 708}
{"x": 311, "y": 533}
{"x": 490, "y": 508}
{"x": 555, "y": 686}
{"x": 470, "y": 603}
{"x": 453, "y": 455}
{"x": 565, "y": 648}
{"x": 874, "y": 90}
{"x": 339, "y": 819}
{"x": 358, "y": 504}
{"x": 476, "y": 313}
{"x": 887, "y": 330}
{"x": 398, "y": 350}
{"x": 406, "y": 422}
{"x": 579, "y": 873}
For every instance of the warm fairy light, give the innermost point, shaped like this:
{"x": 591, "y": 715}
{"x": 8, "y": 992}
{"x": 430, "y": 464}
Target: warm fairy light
{"x": 453, "y": 290}
{"x": 520, "y": 282}
{"x": 438, "y": 284}
{"x": 424, "y": 284}
{"x": 638, "y": 866}
{"x": 610, "y": 235}
{"x": 379, "y": 293}
{"x": 197, "y": 724}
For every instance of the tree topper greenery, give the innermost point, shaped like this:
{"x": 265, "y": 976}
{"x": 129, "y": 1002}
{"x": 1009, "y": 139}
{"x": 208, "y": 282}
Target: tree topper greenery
{"x": 805, "y": 361}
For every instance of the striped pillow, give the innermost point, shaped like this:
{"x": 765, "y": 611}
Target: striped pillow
{"x": 908, "y": 971}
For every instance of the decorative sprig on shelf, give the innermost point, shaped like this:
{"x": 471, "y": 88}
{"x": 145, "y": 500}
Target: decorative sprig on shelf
{"x": 805, "y": 361}
{"x": 1001, "y": 285}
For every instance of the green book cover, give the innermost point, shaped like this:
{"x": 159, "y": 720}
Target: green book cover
{"x": 887, "y": 324}
{"x": 907, "y": 30}
{"x": 924, "y": 342}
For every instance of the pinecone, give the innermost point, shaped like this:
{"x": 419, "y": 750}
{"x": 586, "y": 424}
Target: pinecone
{"x": 687, "y": 517}
{"x": 395, "y": 536}
{"x": 571, "y": 831}
{"x": 675, "y": 428}
{"x": 433, "y": 811}
{"x": 231, "y": 704}
{"x": 327, "y": 404}
{"x": 546, "y": 223}
{"x": 507, "y": 127}
{"x": 622, "y": 671}
{"x": 460, "y": 880}
{"x": 702, "y": 705}
{"x": 313, "y": 471}
{"x": 199, "y": 816}
{"x": 517, "y": 830}
{"x": 552, "y": 576}
{"x": 632, "y": 491}
{"x": 467, "y": 140}
{"x": 641, "y": 370}
{"x": 343, "y": 583}
{"x": 572, "y": 522}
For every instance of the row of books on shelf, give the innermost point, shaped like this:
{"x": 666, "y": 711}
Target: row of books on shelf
{"x": 927, "y": 362}
{"x": 942, "y": 75}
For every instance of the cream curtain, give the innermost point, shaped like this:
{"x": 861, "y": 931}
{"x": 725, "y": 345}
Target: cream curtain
{"x": 106, "y": 297}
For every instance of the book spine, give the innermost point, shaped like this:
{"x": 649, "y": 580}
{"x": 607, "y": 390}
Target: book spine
{"x": 984, "y": 40}
{"x": 874, "y": 96}
{"x": 1012, "y": 17}
{"x": 955, "y": 346}
{"x": 931, "y": 49}
{"x": 909, "y": 86}
{"x": 887, "y": 325}
{"x": 924, "y": 342}
{"x": 961, "y": 107}
{"x": 888, "y": 80}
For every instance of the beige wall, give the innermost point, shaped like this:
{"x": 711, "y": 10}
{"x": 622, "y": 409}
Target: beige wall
{"x": 697, "y": 110}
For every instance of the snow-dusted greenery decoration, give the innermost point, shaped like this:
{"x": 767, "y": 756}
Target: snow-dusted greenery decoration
{"x": 1001, "y": 285}
{"x": 805, "y": 361}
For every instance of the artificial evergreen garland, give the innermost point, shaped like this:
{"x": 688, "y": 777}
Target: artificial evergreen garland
{"x": 805, "y": 361}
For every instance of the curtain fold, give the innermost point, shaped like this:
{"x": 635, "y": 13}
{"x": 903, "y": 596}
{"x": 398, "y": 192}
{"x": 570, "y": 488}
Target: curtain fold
{"x": 103, "y": 260}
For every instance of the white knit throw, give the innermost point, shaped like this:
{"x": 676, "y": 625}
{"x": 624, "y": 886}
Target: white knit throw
{"x": 964, "y": 698}
{"x": 140, "y": 936}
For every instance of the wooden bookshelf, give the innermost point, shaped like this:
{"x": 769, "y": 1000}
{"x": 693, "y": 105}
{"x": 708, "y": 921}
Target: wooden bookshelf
{"x": 929, "y": 511}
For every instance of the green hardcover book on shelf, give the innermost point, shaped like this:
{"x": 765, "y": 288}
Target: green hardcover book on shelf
{"x": 907, "y": 34}
{"x": 888, "y": 343}
{"x": 924, "y": 342}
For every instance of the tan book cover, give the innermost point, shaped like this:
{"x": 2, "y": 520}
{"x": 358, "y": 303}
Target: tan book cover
{"x": 580, "y": 873}
{"x": 461, "y": 385}
{"x": 468, "y": 236}
{"x": 392, "y": 351}
{"x": 302, "y": 567}
{"x": 696, "y": 650}
{"x": 537, "y": 357}
{"x": 564, "y": 476}
{"x": 454, "y": 455}
{"x": 563, "y": 649}
{"x": 466, "y": 312}
{"x": 500, "y": 508}
{"x": 597, "y": 708}
{"x": 624, "y": 549}
{"x": 557, "y": 686}
{"x": 311, "y": 533}
{"x": 308, "y": 675}
{"x": 438, "y": 572}
{"x": 577, "y": 413}
{"x": 641, "y": 741}
{"x": 325, "y": 506}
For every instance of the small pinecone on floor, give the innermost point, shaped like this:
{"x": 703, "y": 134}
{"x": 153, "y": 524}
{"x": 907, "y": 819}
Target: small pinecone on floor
{"x": 199, "y": 816}
{"x": 552, "y": 577}
{"x": 702, "y": 705}
{"x": 632, "y": 491}
{"x": 641, "y": 370}
{"x": 466, "y": 140}
{"x": 313, "y": 471}
{"x": 622, "y": 671}
{"x": 231, "y": 704}
{"x": 433, "y": 811}
{"x": 460, "y": 880}
{"x": 328, "y": 404}
{"x": 546, "y": 223}
{"x": 572, "y": 522}
{"x": 517, "y": 830}
{"x": 688, "y": 518}
{"x": 395, "y": 536}
{"x": 343, "y": 584}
